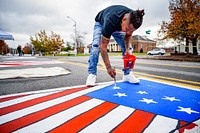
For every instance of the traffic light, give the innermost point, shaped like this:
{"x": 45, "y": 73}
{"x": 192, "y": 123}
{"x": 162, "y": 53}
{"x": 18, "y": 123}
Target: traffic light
{"x": 148, "y": 31}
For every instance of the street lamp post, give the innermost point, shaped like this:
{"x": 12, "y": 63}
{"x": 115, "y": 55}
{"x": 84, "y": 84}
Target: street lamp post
{"x": 75, "y": 43}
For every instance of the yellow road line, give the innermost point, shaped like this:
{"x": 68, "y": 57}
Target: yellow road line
{"x": 171, "y": 82}
{"x": 162, "y": 80}
{"x": 175, "y": 79}
{"x": 168, "y": 65}
{"x": 147, "y": 76}
{"x": 102, "y": 64}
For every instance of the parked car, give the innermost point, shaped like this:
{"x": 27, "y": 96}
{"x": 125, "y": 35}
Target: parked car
{"x": 8, "y": 54}
{"x": 156, "y": 51}
{"x": 63, "y": 52}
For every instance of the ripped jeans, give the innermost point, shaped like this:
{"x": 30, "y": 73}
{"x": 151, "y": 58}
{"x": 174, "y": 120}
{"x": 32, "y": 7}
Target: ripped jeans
{"x": 95, "y": 48}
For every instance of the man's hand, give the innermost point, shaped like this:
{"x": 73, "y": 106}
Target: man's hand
{"x": 127, "y": 52}
{"x": 111, "y": 71}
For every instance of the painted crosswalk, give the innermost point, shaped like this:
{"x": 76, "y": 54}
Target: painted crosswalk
{"x": 26, "y": 63}
{"x": 78, "y": 109}
{"x": 30, "y": 72}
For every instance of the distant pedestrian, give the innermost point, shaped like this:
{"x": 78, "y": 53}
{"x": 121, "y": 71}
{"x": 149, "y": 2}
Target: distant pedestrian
{"x": 19, "y": 49}
{"x": 33, "y": 51}
{"x": 141, "y": 50}
{"x": 40, "y": 53}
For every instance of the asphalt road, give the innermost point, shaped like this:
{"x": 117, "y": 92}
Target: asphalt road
{"x": 184, "y": 73}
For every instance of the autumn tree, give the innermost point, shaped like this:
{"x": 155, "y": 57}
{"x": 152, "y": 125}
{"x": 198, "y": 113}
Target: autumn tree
{"x": 45, "y": 43}
{"x": 39, "y": 41}
{"x": 2, "y": 45}
{"x": 55, "y": 42}
{"x": 184, "y": 24}
{"x": 4, "y": 49}
{"x": 27, "y": 49}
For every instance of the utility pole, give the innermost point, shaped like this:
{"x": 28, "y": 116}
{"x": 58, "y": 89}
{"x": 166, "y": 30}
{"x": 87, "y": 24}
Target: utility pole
{"x": 75, "y": 41}
{"x": 147, "y": 33}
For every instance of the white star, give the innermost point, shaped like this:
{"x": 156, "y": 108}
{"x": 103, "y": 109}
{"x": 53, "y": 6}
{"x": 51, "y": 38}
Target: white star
{"x": 120, "y": 94}
{"x": 148, "y": 101}
{"x": 187, "y": 110}
{"x": 170, "y": 98}
{"x": 142, "y": 92}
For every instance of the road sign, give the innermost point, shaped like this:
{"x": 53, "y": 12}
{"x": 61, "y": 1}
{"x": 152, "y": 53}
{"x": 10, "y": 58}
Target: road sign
{"x": 148, "y": 31}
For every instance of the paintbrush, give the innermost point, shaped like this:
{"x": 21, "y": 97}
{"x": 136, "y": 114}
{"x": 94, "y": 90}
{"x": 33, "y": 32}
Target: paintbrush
{"x": 114, "y": 79}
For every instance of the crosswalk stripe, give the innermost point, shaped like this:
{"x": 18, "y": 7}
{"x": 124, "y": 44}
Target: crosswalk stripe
{"x": 56, "y": 120}
{"x": 35, "y": 101}
{"x": 28, "y": 119}
{"x": 106, "y": 123}
{"x": 11, "y": 102}
{"x": 135, "y": 123}
{"x": 160, "y": 121}
{"x": 85, "y": 119}
{"x": 40, "y": 106}
{"x": 11, "y": 98}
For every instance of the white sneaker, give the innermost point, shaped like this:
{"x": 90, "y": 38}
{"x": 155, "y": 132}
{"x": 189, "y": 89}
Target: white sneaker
{"x": 130, "y": 78}
{"x": 91, "y": 80}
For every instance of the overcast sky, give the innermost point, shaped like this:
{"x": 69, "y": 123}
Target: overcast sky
{"x": 23, "y": 18}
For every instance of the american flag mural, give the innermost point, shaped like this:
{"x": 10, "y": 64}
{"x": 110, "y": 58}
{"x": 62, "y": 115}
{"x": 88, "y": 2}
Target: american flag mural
{"x": 147, "y": 107}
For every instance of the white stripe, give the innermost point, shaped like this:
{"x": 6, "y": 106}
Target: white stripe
{"x": 20, "y": 113}
{"x": 22, "y": 99}
{"x": 60, "y": 118}
{"x": 109, "y": 121}
{"x": 197, "y": 122}
{"x": 100, "y": 85}
{"x": 42, "y": 91}
{"x": 161, "y": 124}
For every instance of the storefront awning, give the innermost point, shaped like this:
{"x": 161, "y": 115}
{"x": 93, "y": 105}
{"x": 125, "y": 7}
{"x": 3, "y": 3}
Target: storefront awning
{"x": 5, "y": 36}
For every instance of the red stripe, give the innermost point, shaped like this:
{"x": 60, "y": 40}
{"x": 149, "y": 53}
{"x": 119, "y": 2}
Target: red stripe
{"x": 32, "y": 118}
{"x": 10, "y": 64}
{"x": 85, "y": 119}
{"x": 35, "y": 101}
{"x": 135, "y": 123}
{"x": 19, "y": 64}
{"x": 186, "y": 125}
{"x": 11, "y": 97}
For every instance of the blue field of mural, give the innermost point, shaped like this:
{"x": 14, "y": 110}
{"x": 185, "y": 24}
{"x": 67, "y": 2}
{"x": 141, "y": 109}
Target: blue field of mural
{"x": 158, "y": 98}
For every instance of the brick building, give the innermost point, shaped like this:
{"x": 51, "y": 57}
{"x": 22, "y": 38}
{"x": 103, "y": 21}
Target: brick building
{"x": 138, "y": 43}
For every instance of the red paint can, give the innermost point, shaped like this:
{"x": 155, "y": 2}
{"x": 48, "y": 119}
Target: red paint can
{"x": 129, "y": 61}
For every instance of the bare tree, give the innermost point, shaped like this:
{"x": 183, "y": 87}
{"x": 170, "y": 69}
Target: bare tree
{"x": 80, "y": 39}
